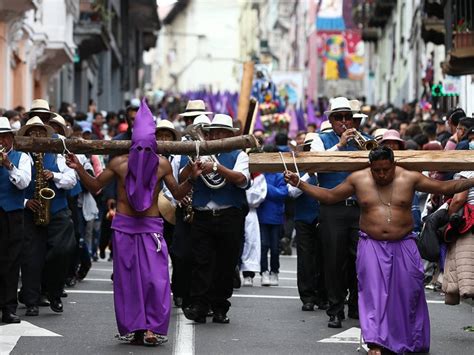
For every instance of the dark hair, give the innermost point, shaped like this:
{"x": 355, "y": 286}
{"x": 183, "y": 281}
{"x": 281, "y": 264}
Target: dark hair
{"x": 455, "y": 115}
{"x": 421, "y": 139}
{"x": 281, "y": 139}
{"x": 467, "y": 122}
{"x": 429, "y": 129}
{"x": 381, "y": 153}
{"x": 11, "y": 113}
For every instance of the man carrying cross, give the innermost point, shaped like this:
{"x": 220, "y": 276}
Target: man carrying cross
{"x": 142, "y": 294}
{"x": 392, "y": 306}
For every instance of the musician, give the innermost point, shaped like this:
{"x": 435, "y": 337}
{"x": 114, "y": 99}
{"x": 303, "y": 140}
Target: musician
{"x": 40, "y": 108}
{"x": 339, "y": 223}
{"x": 181, "y": 247}
{"x": 15, "y": 175}
{"x": 48, "y": 249}
{"x": 218, "y": 227}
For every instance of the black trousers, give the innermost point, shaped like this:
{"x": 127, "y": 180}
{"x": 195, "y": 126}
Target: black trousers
{"x": 339, "y": 227}
{"x": 11, "y": 243}
{"x": 216, "y": 241}
{"x": 46, "y": 256}
{"x": 311, "y": 287}
{"x": 182, "y": 254}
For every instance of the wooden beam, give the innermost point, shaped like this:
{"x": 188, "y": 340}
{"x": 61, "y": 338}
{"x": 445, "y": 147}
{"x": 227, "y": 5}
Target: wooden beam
{"x": 420, "y": 160}
{"x": 245, "y": 91}
{"x": 101, "y": 147}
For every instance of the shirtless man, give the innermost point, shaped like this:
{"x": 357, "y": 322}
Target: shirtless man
{"x": 141, "y": 278}
{"x": 392, "y": 305}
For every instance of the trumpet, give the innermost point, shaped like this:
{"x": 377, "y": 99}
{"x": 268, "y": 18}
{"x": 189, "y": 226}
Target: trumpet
{"x": 362, "y": 142}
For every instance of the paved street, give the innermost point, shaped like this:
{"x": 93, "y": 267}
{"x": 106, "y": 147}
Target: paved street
{"x": 264, "y": 320}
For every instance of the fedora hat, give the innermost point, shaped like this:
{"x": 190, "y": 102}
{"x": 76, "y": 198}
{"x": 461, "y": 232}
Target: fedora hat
{"x": 222, "y": 121}
{"x": 195, "y": 108}
{"x": 202, "y": 120}
{"x": 391, "y": 135}
{"x": 325, "y": 126}
{"x": 5, "y": 125}
{"x": 309, "y": 138}
{"x": 32, "y": 122}
{"x": 67, "y": 131}
{"x": 342, "y": 104}
{"x": 41, "y": 106}
{"x": 165, "y": 124}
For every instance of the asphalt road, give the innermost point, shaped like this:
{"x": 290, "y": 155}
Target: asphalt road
{"x": 264, "y": 320}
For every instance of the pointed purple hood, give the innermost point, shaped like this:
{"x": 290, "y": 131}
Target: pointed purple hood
{"x": 143, "y": 161}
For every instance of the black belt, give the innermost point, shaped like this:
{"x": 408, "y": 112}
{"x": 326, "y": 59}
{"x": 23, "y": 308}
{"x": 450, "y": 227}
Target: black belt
{"x": 348, "y": 203}
{"x": 215, "y": 213}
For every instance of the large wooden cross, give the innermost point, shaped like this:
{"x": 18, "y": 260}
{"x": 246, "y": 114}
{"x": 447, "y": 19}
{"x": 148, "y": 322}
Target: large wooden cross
{"x": 424, "y": 160}
{"x": 80, "y": 146}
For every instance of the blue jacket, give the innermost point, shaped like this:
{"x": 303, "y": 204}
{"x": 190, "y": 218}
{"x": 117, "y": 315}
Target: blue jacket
{"x": 272, "y": 210}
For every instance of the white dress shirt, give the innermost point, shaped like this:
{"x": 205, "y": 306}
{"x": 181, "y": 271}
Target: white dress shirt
{"x": 21, "y": 176}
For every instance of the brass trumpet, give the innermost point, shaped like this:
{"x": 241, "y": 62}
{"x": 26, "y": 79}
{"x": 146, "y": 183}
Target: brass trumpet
{"x": 364, "y": 143}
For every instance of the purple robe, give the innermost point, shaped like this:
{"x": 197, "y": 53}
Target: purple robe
{"x": 142, "y": 294}
{"x": 392, "y": 307}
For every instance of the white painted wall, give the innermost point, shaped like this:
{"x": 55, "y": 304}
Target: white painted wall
{"x": 211, "y": 60}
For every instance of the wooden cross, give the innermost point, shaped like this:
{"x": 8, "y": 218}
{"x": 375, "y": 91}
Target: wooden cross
{"x": 420, "y": 160}
{"x": 80, "y": 146}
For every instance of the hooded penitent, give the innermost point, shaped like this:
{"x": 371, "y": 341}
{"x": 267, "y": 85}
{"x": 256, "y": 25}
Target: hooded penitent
{"x": 143, "y": 161}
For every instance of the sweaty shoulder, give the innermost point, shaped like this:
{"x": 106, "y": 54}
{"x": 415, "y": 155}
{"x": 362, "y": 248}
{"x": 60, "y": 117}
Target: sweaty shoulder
{"x": 407, "y": 174}
{"x": 358, "y": 175}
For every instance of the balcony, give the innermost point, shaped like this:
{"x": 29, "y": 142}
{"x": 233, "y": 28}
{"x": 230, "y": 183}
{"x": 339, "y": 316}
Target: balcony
{"x": 91, "y": 32}
{"x": 12, "y": 9}
{"x": 433, "y": 30}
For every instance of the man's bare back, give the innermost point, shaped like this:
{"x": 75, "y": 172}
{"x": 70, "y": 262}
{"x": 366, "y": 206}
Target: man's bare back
{"x": 385, "y": 210}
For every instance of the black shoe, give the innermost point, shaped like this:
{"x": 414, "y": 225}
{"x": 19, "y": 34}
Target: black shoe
{"x": 220, "y": 318}
{"x": 10, "y": 318}
{"x": 43, "y": 302}
{"x": 353, "y": 314}
{"x": 71, "y": 281}
{"x": 178, "y": 301}
{"x": 308, "y": 306}
{"x": 192, "y": 313}
{"x": 83, "y": 270}
{"x": 102, "y": 254}
{"x": 56, "y": 305}
{"x": 334, "y": 322}
{"x": 323, "y": 306}
{"x": 32, "y": 311}
{"x": 63, "y": 294}
{"x": 210, "y": 313}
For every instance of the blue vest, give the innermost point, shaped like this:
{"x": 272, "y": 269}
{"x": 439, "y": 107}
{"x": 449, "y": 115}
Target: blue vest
{"x": 229, "y": 195}
{"x": 76, "y": 190}
{"x": 60, "y": 200}
{"x": 306, "y": 207}
{"x": 330, "y": 180}
{"x": 11, "y": 198}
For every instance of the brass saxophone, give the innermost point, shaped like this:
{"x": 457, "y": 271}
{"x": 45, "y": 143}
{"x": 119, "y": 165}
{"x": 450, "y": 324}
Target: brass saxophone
{"x": 2, "y": 150}
{"x": 43, "y": 194}
{"x": 188, "y": 208}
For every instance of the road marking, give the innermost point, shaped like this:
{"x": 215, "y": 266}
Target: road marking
{"x": 349, "y": 336}
{"x": 98, "y": 280}
{"x": 11, "y": 333}
{"x": 184, "y": 337}
{"x": 236, "y": 295}
{"x": 94, "y": 269}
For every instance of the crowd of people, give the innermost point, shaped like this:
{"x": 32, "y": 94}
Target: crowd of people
{"x": 222, "y": 223}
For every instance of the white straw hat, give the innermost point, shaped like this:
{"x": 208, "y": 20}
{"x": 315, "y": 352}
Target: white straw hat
{"x": 40, "y": 106}
{"x": 340, "y": 104}
{"x": 35, "y": 121}
{"x": 202, "y": 120}
{"x": 195, "y": 108}
{"x": 222, "y": 121}
{"x": 5, "y": 125}
{"x": 165, "y": 124}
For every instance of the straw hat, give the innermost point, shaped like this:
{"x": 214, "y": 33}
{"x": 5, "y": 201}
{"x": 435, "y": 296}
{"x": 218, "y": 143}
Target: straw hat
{"x": 40, "y": 106}
{"x": 222, "y": 121}
{"x": 32, "y": 122}
{"x": 67, "y": 131}
{"x": 195, "y": 108}
{"x": 378, "y": 134}
{"x": 5, "y": 125}
{"x": 165, "y": 124}
{"x": 342, "y": 104}
{"x": 309, "y": 138}
{"x": 202, "y": 120}
{"x": 392, "y": 135}
{"x": 325, "y": 126}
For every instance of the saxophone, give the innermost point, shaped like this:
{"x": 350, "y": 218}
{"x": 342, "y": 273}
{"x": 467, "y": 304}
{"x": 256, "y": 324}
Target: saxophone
{"x": 43, "y": 194}
{"x": 188, "y": 208}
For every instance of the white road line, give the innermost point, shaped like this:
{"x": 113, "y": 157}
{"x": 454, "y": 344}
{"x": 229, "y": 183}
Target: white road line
{"x": 236, "y": 295}
{"x": 184, "y": 336}
{"x": 98, "y": 280}
{"x": 94, "y": 269}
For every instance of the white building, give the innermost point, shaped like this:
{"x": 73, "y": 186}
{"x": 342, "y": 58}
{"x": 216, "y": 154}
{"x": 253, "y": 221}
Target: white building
{"x": 198, "y": 47}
